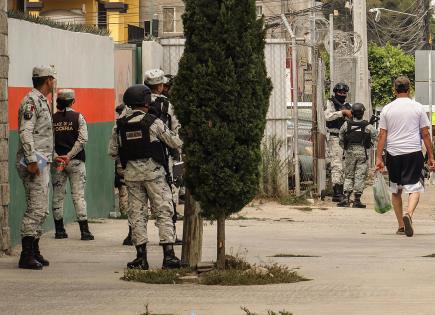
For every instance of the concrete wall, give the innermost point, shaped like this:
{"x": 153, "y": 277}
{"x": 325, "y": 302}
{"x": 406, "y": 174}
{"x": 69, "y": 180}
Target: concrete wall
{"x": 84, "y": 62}
{"x": 152, "y": 56}
{"x": 4, "y": 131}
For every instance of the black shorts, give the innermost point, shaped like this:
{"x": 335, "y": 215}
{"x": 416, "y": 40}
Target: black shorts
{"x": 405, "y": 169}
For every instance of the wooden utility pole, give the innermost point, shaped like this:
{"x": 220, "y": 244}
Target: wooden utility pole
{"x": 192, "y": 232}
{"x": 5, "y": 244}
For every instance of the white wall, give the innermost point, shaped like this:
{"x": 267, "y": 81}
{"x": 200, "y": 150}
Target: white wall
{"x": 81, "y": 60}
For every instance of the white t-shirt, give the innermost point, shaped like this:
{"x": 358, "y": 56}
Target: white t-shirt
{"x": 403, "y": 119}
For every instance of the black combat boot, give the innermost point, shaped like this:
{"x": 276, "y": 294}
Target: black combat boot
{"x": 357, "y": 202}
{"x": 345, "y": 201}
{"x": 127, "y": 241}
{"x": 27, "y": 258}
{"x": 170, "y": 261}
{"x": 141, "y": 261}
{"x": 338, "y": 193}
{"x": 60, "y": 229}
{"x": 84, "y": 231}
{"x": 37, "y": 253}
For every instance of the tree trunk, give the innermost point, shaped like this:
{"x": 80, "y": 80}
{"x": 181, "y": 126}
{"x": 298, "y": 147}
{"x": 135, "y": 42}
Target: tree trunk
{"x": 192, "y": 232}
{"x": 221, "y": 241}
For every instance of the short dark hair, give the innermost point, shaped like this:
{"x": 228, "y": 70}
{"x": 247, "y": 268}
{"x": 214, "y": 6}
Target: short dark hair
{"x": 39, "y": 81}
{"x": 401, "y": 84}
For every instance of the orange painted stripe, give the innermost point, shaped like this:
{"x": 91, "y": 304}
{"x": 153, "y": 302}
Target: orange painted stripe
{"x": 96, "y": 105}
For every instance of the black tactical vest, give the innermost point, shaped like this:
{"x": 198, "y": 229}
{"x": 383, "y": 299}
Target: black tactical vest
{"x": 66, "y": 133}
{"x": 134, "y": 140}
{"x": 337, "y": 123}
{"x": 356, "y": 134}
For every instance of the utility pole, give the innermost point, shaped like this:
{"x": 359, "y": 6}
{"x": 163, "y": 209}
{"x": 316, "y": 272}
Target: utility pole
{"x": 314, "y": 129}
{"x": 331, "y": 53}
{"x": 362, "y": 92}
{"x": 295, "y": 105}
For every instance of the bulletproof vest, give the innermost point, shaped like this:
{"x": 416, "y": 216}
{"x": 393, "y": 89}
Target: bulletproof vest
{"x": 66, "y": 133}
{"x": 337, "y": 123}
{"x": 134, "y": 139}
{"x": 356, "y": 134}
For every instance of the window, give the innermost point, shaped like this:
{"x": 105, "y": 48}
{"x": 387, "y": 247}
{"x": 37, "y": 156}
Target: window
{"x": 259, "y": 9}
{"x": 169, "y": 20}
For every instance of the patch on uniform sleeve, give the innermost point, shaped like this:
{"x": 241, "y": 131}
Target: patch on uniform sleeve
{"x": 28, "y": 111}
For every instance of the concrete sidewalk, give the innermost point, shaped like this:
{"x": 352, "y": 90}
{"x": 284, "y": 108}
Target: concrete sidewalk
{"x": 363, "y": 268}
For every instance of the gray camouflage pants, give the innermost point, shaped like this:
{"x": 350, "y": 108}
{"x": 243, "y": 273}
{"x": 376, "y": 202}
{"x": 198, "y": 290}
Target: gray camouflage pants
{"x": 123, "y": 199}
{"x": 159, "y": 194}
{"x": 75, "y": 171}
{"x": 336, "y": 158}
{"x": 355, "y": 169}
{"x": 37, "y": 200}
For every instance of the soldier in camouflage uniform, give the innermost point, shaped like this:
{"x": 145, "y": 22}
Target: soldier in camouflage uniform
{"x": 35, "y": 147}
{"x": 156, "y": 80}
{"x": 120, "y": 110}
{"x": 137, "y": 141}
{"x": 335, "y": 113}
{"x": 356, "y": 137}
{"x": 70, "y": 137}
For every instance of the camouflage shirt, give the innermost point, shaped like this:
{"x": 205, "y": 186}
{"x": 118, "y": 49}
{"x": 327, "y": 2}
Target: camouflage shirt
{"x": 35, "y": 128}
{"x": 145, "y": 169}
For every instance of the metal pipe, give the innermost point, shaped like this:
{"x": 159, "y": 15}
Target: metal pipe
{"x": 295, "y": 106}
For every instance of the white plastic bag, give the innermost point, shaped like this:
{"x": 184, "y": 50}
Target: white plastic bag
{"x": 381, "y": 194}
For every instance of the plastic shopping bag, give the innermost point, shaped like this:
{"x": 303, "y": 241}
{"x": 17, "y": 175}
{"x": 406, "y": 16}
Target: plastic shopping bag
{"x": 381, "y": 194}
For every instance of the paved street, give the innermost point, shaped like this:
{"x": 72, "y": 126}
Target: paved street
{"x": 363, "y": 268}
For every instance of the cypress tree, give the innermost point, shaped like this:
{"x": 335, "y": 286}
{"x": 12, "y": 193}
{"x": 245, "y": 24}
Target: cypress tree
{"x": 222, "y": 94}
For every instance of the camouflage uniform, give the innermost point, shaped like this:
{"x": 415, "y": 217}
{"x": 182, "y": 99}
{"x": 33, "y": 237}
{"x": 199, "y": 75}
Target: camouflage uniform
{"x": 75, "y": 171}
{"x": 121, "y": 110}
{"x": 335, "y": 152}
{"x": 145, "y": 179}
{"x": 175, "y": 126}
{"x": 35, "y": 132}
{"x": 355, "y": 161}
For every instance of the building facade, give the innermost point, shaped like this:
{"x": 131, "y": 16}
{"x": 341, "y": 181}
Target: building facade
{"x": 120, "y": 17}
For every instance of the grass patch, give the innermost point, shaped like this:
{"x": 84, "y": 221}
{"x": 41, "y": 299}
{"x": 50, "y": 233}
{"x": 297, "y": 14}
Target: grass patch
{"x": 269, "y": 312}
{"x": 292, "y": 255}
{"x": 429, "y": 256}
{"x": 292, "y": 200}
{"x": 238, "y": 272}
{"x": 156, "y": 276}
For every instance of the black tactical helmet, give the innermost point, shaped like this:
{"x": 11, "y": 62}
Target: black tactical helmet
{"x": 358, "y": 110}
{"x": 341, "y": 87}
{"x": 137, "y": 95}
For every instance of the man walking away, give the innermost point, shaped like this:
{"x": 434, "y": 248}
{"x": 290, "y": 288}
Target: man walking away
{"x": 70, "y": 137}
{"x": 35, "y": 146}
{"x": 403, "y": 125}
